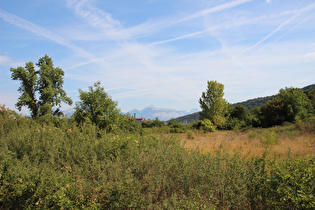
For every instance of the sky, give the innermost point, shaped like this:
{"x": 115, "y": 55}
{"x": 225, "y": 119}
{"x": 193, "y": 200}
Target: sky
{"x": 161, "y": 52}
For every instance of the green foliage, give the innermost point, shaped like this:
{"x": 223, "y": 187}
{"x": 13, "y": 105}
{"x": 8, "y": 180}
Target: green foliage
{"x": 255, "y": 117}
{"x": 239, "y": 112}
{"x": 204, "y": 125}
{"x": 291, "y": 182}
{"x": 51, "y": 163}
{"x": 213, "y": 105}
{"x": 291, "y": 105}
{"x": 47, "y": 83}
{"x": 311, "y": 95}
{"x": 253, "y": 135}
{"x": 235, "y": 124}
{"x": 151, "y": 124}
{"x": 128, "y": 125}
{"x": 175, "y": 126}
{"x": 273, "y": 112}
{"x": 306, "y": 127}
{"x": 190, "y": 134}
{"x": 97, "y": 107}
{"x": 297, "y": 106}
{"x": 269, "y": 139}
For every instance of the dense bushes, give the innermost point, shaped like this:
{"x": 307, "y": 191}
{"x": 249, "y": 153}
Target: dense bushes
{"x": 56, "y": 164}
{"x": 204, "y": 125}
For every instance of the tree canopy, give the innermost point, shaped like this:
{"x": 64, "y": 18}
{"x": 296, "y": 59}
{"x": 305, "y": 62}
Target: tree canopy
{"x": 97, "y": 106}
{"x": 41, "y": 89}
{"x": 291, "y": 105}
{"x": 213, "y": 105}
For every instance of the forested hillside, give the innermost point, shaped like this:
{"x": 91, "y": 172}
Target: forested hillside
{"x": 250, "y": 104}
{"x": 309, "y": 87}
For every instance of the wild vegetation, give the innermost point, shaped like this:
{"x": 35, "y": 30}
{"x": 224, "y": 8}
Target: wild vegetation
{"x": 52, "y": 162}
{"x": 100, "y": 159}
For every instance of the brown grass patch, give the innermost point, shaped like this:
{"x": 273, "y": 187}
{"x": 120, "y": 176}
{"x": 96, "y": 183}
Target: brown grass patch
{"x": 249, "y": 142}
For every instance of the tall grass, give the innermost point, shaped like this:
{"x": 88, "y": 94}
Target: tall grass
{"x": 49, "y": 165}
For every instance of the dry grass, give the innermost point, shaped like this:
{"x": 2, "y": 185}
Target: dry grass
{"x": 249, "y": 142}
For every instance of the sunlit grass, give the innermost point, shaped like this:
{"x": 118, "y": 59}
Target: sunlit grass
{"x": 251, "y": 141}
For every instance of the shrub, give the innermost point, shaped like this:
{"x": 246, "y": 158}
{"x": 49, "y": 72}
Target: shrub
{"x": 204, "y": 125}
{"x": 175, "y": 126}
{"x": 269, "y": 138}
{"x": 190, "y": 134}
{"x": 253, "y": 135}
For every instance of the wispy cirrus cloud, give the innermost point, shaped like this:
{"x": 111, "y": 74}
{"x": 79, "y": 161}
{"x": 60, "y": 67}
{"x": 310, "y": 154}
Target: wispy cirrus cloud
{"x": 39, "y": 31}
{"x": 281, "y": 26}
{"x": 97, "y": 18}
{"x": 214, "y": 9}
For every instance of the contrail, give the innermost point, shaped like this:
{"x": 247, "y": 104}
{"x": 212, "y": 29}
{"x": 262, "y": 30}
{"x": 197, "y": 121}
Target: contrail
{"x": 215, "y": 9}
{"x": 298, "y": 13}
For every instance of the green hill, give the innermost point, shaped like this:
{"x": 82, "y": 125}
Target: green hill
{"x": 249, "y": 104}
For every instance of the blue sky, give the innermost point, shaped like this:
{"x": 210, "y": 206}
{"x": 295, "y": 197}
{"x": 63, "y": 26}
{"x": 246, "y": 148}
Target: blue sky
{"x": 162, "y": 52}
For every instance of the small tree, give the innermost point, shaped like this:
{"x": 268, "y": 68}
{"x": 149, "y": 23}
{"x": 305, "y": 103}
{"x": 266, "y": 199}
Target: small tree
{"x": 96, "y": 106}
{"x": 213, "y": 105}
{"x": 47, "y": 83}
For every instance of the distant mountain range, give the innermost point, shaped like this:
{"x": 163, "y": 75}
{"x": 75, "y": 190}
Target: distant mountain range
{"x": 163, "y": 114}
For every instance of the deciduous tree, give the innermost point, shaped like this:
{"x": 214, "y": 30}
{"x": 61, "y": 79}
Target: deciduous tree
{"x": 213, "y": 105}
{"x": 97, "y": 106}
{"x": 239, "y": 112}
{"x": 291, "y": 105}
{"x": 46, "y": 83}
{"x": 296, "y": 104}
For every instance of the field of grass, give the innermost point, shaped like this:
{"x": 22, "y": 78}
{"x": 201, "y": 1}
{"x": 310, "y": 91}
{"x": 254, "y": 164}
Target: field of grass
{"x": 55, "y": 164}
{"x": 278, "y": 140}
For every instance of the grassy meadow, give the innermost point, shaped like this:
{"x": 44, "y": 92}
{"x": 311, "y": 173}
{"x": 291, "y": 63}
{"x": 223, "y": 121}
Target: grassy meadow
{"x": 296, "y": 139}
{"x": 52, "y": 163}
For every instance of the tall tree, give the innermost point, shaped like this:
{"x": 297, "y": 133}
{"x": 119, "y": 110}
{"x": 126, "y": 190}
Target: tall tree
{"x": 47, "y": 83}
{"x": 97, "y": 106}
{"x": 213, "y": 105}
{"x": 50, "y": 86}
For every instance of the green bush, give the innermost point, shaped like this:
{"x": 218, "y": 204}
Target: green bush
{"x": 269, "y": 138}
{"x": 190, "y": 134}
{"x": 204, "y": 125}
{"x": 176, "y": 127}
